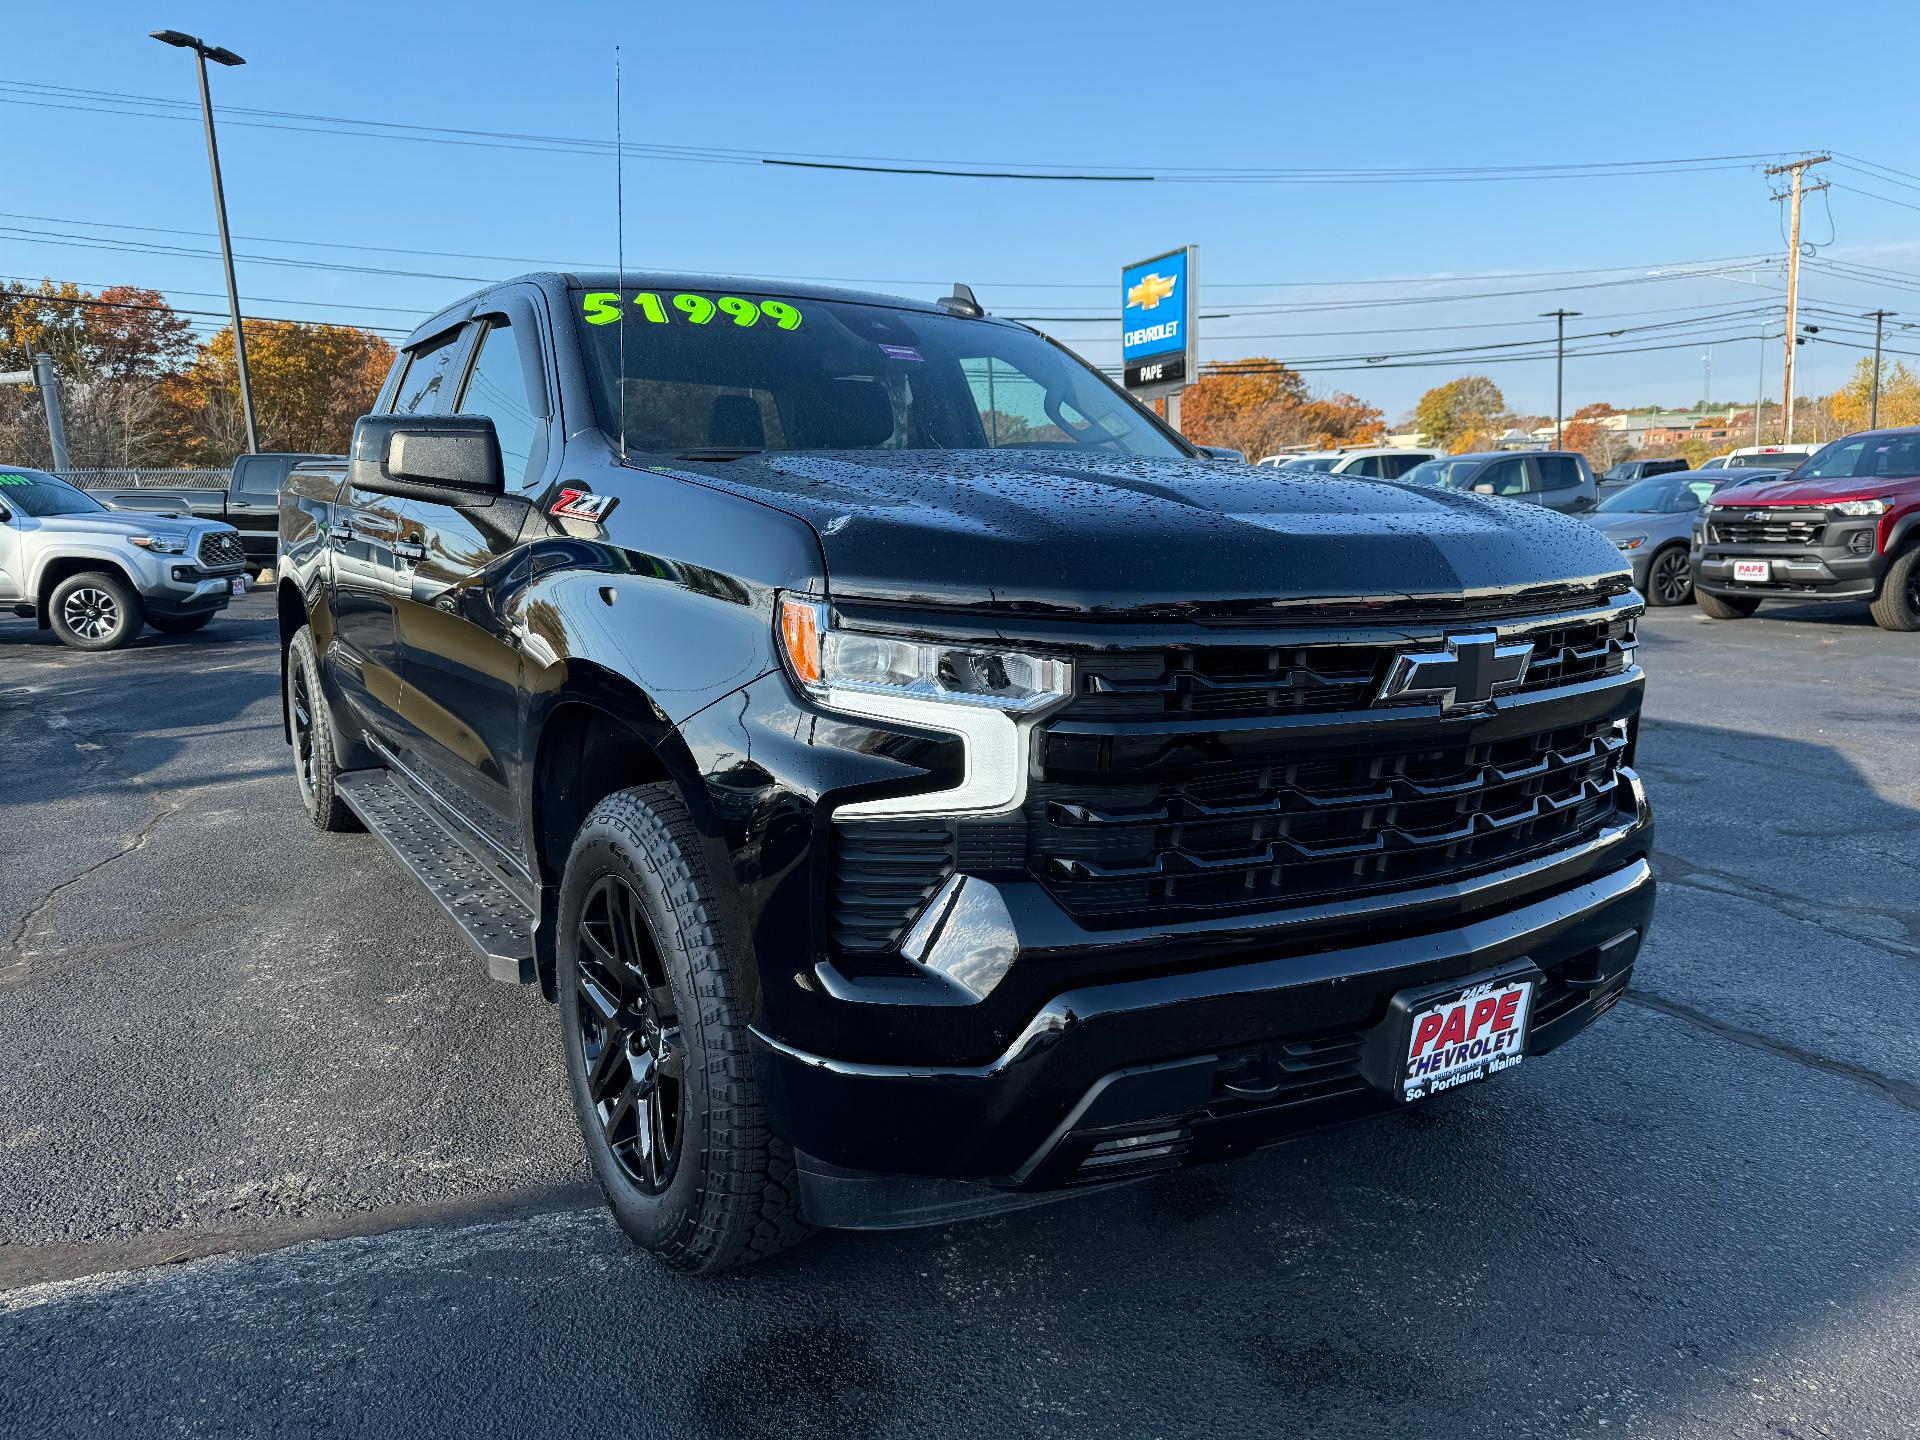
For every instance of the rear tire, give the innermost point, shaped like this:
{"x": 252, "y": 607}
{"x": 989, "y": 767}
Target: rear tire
{"x": 310, "y": 728}
{"x": 1897, "y": 607}
{"x": 180, "y": 624}
{"x": 1668, "y": 579}
{"x": 1722, "y": 607}
{"x": 95, "y": 610}
{"x": 655, "y": 1034}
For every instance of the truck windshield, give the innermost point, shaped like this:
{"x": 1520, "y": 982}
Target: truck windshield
{"x": 732, "y": 374}
{"x": 1861, "y": 457}
{"x": 33, "y": 493}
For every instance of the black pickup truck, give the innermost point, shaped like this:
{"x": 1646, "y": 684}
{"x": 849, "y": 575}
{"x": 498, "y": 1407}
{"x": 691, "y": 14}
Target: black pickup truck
{"x": 928, "y": 784}
{"x": 250, "y": 503}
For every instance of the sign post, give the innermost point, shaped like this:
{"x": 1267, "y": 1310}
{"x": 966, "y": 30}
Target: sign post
{"x": 1159, "y": 326}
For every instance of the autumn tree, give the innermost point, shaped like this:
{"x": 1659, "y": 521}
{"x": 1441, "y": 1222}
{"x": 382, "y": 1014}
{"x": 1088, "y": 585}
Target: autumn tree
{"x": 1343, "y": 419}
{"x": 1253, "y": 405}
{"x": 1461, "y": 414}
{"x": 1851, "y": 406}
{"x": 109, "y": 351}
{"x": 310, "y": 383}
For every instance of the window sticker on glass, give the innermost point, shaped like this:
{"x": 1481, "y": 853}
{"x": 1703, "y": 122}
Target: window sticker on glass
{"x": 901, "y": 352}
{"x": 14, "y": 480}
{"x": 603, "y": 307}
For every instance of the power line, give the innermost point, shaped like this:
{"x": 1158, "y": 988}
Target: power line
{"x": 550, "y": 263}
{"x": 40, "y": 94}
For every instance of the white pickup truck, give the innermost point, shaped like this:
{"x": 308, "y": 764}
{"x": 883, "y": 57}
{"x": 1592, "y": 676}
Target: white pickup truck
{"x": 95, "y": 576}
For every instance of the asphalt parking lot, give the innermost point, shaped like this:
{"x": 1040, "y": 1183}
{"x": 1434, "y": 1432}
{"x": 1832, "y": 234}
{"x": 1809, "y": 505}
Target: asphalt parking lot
{"x": 275, "y": 1156}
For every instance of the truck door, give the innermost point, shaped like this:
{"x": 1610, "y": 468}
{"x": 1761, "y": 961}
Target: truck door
{"x": 253, "y": 504}
{"x": 459, "y": 653}
{"x": 13, "y": 570}
{"x": 368, "y": 573}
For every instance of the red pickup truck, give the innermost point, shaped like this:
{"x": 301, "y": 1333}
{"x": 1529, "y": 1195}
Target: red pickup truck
{"x": 1845, "y": 525}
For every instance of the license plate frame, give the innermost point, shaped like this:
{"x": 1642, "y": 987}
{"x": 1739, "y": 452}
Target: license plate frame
{"x": 237, "y": 585}
{"x": 1387, "y": 1061}
{"x": 1753, "y": 572}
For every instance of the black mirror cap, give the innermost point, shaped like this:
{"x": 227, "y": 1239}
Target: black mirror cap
{"x": 1223, "y": 452}
{"x": 442, "y": 459}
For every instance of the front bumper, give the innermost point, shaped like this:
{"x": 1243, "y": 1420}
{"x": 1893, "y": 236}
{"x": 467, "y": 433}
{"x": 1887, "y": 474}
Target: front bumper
{"x": 182, "y": 589}
{"x": 1830, "y": 572}
{"x": 1112, "y": 1081}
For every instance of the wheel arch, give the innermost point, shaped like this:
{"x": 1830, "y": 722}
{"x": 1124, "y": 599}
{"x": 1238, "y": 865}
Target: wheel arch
{"x": 600, "y": 735}
{"x": 64, "y": 567}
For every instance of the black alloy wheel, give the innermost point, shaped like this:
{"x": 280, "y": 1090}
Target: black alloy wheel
{"x": 1670, "y": 578}
{"x": 300, "y": 723}
{"x": 630, "y": 1036}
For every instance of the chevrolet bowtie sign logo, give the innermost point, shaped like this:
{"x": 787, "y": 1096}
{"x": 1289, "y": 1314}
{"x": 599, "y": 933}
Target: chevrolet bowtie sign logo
{"x": 1151, "y": 290}
{"x": 1470, "y": 671}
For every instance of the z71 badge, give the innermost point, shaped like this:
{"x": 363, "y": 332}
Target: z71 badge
{"x": 583, "y": 505}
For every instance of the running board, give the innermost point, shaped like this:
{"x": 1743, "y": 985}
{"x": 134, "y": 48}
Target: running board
{"x": 493, "y": 919}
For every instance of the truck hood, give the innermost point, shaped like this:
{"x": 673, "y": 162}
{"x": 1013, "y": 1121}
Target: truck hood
{"x": 1087, "y": 534}
{"x": 1814, "y": 492}
{"x": 117, "y": 525}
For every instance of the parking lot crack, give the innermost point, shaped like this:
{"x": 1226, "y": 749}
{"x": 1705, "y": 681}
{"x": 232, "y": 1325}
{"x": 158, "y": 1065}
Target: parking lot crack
{"x": 1901, "y": 1092}
{"x": 1685, "y": 874}
{"x": 16, "y": 956}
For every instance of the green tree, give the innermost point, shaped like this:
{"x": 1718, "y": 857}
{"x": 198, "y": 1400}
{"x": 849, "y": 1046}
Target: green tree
{"x": 1460, "y": 414}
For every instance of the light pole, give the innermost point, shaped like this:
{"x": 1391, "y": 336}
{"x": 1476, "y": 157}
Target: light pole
{"x": 1879, "y": 318}
{"x": 1560, "y": 318}
{"x": 203, "y": 52}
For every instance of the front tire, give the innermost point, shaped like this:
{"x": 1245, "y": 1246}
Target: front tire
{"x": 655, "y": 1034}
{"x": 180, "y": 624}
{"x": 1897, "y": 607}
{"x": 310, "y": 728}
{"x": 95, "y": 611}
{"x": 1669, "y": 577}
{"x": 1726, "y": 607}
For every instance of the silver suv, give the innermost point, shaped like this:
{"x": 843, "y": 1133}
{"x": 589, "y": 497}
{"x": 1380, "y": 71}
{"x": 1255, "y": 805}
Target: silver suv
{"x": 95, "y": 576}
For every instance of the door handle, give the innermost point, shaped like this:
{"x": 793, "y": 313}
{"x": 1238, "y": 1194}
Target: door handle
{"x": 410, "y": 550}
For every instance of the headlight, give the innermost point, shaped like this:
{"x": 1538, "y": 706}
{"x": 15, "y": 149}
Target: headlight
{"x": 830, "y": 662}
{"x": 161, "y": 544}
{"x": 1629, "y": 542}
{"x": 1860, "y": 507}
{"x": 989, "y": 697}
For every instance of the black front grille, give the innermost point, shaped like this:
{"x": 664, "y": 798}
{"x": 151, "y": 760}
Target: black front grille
{"x": 221, "y": 550}
{"x": 1246, "y": 681}
{"x": 1803, "y": 529}
{"x": 1265, "y": 835}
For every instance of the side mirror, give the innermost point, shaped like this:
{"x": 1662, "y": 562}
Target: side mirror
{"x": 1223, "y": 452}
{"x": 1582, "y": 502}
{"x": 443, "y": 459}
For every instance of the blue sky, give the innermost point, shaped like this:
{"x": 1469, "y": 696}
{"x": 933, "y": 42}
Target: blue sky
{"x": 1145, "y": 88}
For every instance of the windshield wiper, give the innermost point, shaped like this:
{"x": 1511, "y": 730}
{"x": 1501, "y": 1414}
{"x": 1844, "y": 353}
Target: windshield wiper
{"x": 730, "y": 454}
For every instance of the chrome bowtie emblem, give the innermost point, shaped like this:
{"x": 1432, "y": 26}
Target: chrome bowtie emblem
{"x": 1470, "y": 671}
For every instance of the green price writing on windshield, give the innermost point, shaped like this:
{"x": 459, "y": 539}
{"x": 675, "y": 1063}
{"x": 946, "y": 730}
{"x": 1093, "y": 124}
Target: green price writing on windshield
{"x": 603, "y": 307}
{"x": 15, "y": 480}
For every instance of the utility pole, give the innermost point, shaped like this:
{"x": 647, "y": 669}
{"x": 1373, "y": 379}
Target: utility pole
{"x": 1559, "y": 318}
{"x": 43, "y": 379}
{"x": 1797, "y": 170}
{"x": 1879, "y": 318}
{"x": 203, "y": 52}
{"x": 1760, "y": 384}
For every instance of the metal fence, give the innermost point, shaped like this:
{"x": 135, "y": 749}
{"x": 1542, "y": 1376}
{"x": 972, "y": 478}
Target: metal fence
{"x": 145, "y": 479}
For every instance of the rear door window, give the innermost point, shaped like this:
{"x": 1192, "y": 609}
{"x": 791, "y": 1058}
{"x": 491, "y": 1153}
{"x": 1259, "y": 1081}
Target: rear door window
{"x": 1558, "y": 472}
{"x": 258, "y": 476}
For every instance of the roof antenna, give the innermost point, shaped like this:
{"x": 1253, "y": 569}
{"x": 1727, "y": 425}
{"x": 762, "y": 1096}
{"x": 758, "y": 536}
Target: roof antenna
{"x": 620, "y": 257}
{"x": 961, "y": 302}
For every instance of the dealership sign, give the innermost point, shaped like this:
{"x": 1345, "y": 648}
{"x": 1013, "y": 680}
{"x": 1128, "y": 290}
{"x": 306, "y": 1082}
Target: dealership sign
{"x": 1158, "y": 305}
